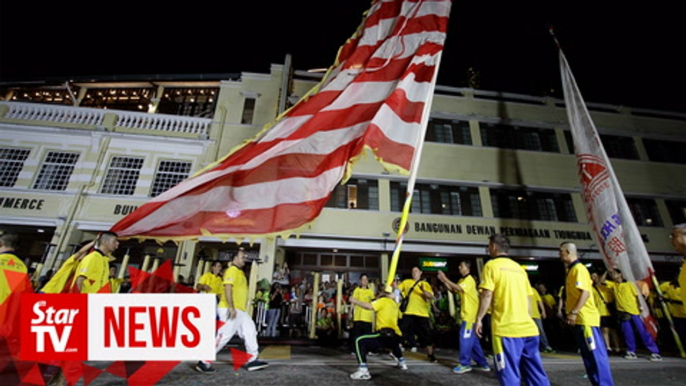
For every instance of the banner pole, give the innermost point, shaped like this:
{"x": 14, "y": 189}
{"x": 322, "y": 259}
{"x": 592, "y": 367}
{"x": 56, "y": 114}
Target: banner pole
{"x": 412, "y": 178}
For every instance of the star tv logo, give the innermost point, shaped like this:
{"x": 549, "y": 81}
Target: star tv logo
{"x": 52, "y": 325}
{"x": 134, "y": 327}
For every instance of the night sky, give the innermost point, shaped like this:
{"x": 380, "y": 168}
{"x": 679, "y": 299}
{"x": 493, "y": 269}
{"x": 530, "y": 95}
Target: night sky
{"x": 620, "y": 54}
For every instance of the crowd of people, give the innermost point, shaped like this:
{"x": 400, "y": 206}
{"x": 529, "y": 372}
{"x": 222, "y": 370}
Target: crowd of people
{"x": 500, "y": 314}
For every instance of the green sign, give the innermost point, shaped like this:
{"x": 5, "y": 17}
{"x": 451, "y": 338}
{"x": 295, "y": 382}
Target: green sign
{"x": 433, "y": 264}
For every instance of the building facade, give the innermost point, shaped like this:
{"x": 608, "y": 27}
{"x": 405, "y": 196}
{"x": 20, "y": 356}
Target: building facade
{"x": 78, "y": 156}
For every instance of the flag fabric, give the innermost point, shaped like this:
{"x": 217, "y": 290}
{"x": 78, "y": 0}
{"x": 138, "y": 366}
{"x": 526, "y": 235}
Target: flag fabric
{"x": 613, "y": 225}
{"x": 372, "y": 97}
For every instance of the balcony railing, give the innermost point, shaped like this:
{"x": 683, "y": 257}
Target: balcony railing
{"x": 97, "y": 118}
{"x": 54, "y": 113}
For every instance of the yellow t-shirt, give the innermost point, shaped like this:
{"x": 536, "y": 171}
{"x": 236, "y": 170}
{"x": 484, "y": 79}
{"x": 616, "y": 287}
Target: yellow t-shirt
{"x": 361, "y": 314}
{"x": 115, "y": 284}
{"x": 417, "y": 305}
{"x": 9, "y": 262}
{"x": 57, "y": 282}
{"x": 214, "y": 281}
{"x": 578, "y": 279}
{"x": 387, "y": 314}
{"x": 510, "y": 310}
{"x": 674, "y": 295}
{"x": 682, "y": 280}
{"x": 95, "y": 267}
{"x": 235, "y": 277}
{"x": 626, "y": 298}
{"x": 535, "y": 298}
{"x": 549, "y": 301}
{"x": 470, "y": 299}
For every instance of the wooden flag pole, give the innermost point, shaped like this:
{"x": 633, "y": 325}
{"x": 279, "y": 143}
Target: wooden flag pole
{"x": 412, "y": 179}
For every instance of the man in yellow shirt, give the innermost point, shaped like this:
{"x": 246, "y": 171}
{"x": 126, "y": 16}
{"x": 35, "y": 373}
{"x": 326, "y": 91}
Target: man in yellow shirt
{"x": 232, "y": 311}
{"x": 604, "y": 297}
{"x": 678, "y": 237}
{"x": 211, "y": 282}
{"x": 9, "y": 262}
{"x": 505, "y": 288}
{"x": 672, "y": 295}
{"x": 470, "y": 347}
{"x": 538, "y": 314}
{"x": 629, "y": 310}
{"x": 415, "y": 319}
{"x": 93, "y": 271}
{"x": 387, "y": 334}
{"x": 361, "y": 317}
{"x": 584, "y": 318}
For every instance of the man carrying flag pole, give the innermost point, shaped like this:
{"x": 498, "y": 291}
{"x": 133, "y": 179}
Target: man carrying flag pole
{"x": 613, "y": 225}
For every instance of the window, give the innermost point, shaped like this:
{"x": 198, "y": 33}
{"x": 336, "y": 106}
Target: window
{"x": 129, "y": 99}
{"x": 644, "y": 211}
{"x": 677, "y": 211}
{"x": 248, "y": 111}
{"x": 48, "y": 94}
{"x": 530, "y": 205}
{"x": 615, "y": 146}
{"x": 56, "y": 171}
{"x": 169, "y": 173}
{"x": 665, "y": 151}
{"x": 356, "y": 194}
{"x": 190, "y": 102}
{"x": 437, "y": 199}
{"x": 122, "y": 175}
{"x": 517, "y": 137}
{"x": 11, "y": 163}
{"x": 445, "y": 131}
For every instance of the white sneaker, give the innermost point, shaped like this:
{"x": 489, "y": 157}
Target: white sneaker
{"x": 401, "y": 366}
{"x": 361, "y": 374}
{"x": 413, "y": 349}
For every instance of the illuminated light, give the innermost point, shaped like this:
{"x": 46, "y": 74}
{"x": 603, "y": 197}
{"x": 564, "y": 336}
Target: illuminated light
{"x": 40, "y": 230}
{"x": 211, "y": 100}
{"x": 520, "y": 198}
{"x": 531, "y": 267}
{"x": 140, "y": 107}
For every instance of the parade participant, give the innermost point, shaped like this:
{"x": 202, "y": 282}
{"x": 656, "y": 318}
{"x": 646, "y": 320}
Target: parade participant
{"x": 678, "y": 237}
{"x": 9, "y": 262}
{"x": 584, "y": 318}
{"x": 604, "y": 297}
{"x": 415, "y": 318}
{"x": 629, "y": 311}
{"x": 360, "y": 316}
{"x": 92, "y": 273}
{"x": 505, "y": 287}
{"x": 387, "y": 336}
{"x": 470, "y": 347}
{"x": 232, "y": 308}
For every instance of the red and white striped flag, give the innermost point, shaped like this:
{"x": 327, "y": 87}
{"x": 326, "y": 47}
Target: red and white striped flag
{"x": 372, "y": 97}
{"x": 616, "y": 232}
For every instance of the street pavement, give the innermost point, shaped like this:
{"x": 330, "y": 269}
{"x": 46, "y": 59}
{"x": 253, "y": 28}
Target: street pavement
{"x": 311, "y": 365}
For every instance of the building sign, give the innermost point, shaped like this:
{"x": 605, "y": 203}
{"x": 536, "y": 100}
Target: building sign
{"x": 433, "y": 264}
{"x": 487, "y": 230}
{"x": 21, "y": 203}
{"x": 123, "y": 210}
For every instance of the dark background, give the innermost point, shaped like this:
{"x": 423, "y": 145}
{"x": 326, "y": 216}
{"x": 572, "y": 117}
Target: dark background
{"x": 620, "y": 53}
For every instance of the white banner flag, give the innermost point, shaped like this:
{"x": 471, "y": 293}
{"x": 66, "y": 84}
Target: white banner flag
{"x": 619, "y": 240}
